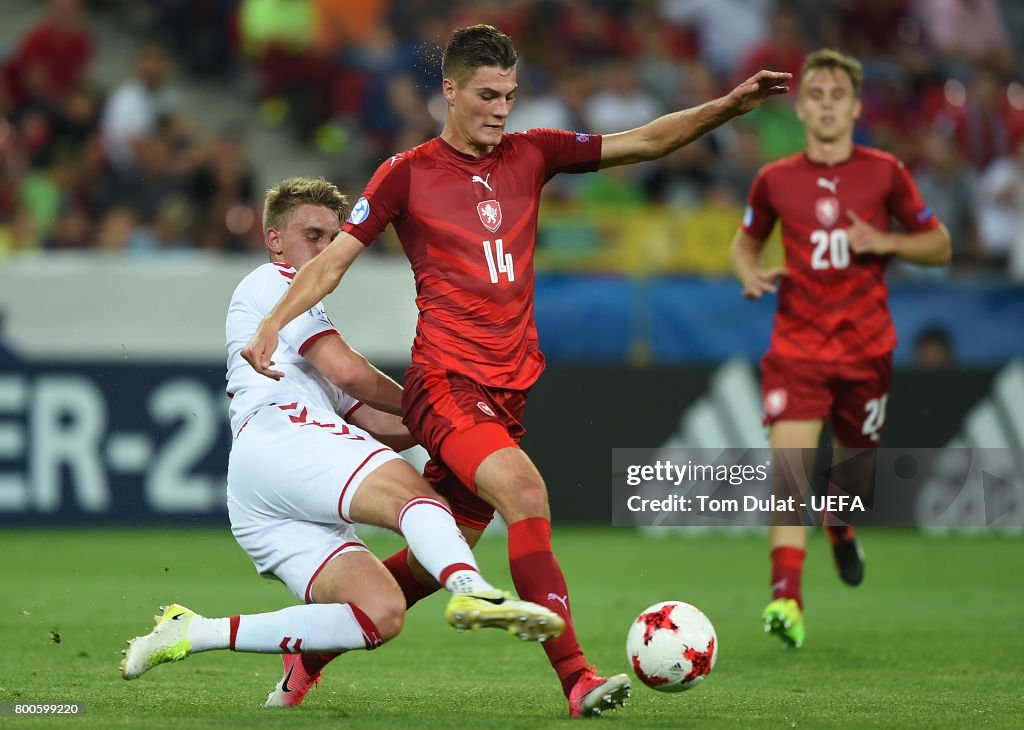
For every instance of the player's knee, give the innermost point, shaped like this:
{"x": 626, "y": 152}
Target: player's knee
{"x": 391, "y": 622}
{"x": 388, "y": 615}
{"x": 529, "y": 499}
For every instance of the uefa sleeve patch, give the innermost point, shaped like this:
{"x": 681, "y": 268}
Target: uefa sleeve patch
{"x": 360, "y": 211}
{"x": 748, "y": 217}
{"x": 582, "y": 137}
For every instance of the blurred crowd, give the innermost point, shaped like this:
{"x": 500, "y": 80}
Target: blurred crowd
{"x": 129, "y": 168}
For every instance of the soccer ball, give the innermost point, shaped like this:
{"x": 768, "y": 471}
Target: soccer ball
{"x": 672, "y": 646}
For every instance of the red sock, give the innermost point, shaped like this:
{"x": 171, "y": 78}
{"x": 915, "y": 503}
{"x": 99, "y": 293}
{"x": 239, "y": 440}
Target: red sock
{"x": 412, "y": 589}
{"x": 787, "y": 569}
{"x": 313, "y": 663}
{"x": 839, "y": 533}
{"x": 539, "y": 579}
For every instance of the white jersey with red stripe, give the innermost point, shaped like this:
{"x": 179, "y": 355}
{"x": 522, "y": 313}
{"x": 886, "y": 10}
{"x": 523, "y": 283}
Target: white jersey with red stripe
{"x": 253, "y": 299}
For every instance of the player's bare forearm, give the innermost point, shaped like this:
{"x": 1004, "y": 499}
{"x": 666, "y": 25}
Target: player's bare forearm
{"x": 376, "y": 389}
{"x": 354, "y": 374}
{"x": 746, "y": 264}
{"x": 319, "y": 277}
{"x": 662, "y": 136}
{"x": 930, "y": 248}
{"x": 746, "y": 255}
{"x": 314, "y": 281}
{"x": 385, "y": 427}
{"x": 668, "y": 133}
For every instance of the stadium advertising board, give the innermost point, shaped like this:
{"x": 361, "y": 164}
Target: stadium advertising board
{"x": 138, "y": 443}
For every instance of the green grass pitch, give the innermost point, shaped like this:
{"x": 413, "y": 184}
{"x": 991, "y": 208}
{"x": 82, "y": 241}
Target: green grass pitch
{"x": 933, "y": 638}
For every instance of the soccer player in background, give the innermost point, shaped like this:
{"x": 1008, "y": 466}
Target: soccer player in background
{"x": 312, "y": 454}
{"x": 464, "y": 206}
{"x": 830, "y": 358}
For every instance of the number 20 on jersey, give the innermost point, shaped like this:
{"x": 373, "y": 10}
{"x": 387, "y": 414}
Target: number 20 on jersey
{"x": 831, "y": 249}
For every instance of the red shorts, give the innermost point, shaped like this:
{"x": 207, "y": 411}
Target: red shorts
{"x": 460, "y": 423}
{"x": 851, "y": 396}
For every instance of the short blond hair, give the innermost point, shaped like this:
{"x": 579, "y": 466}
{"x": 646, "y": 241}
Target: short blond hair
{"x": 292, "y": 192}
{"x": 828, "y": 59}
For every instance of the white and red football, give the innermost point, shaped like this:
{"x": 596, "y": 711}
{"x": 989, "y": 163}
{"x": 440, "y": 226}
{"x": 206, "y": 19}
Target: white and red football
{"x": 672, "y": 646}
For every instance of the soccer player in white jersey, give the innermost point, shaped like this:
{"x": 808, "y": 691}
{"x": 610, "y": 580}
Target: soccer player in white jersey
{"x": 313, "y": 453}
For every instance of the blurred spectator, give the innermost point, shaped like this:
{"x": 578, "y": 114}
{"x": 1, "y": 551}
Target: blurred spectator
{"x": 739, "y": 165}
{"x": 590, "y": 36}
{"x": 782, "y": 50}
{"x": 726, "y": 29}
{"x": 892, "y": 118}
{"x": 546, "y": 108}
{"x": 164, "y": 163}
{"x": 295, "y": 74}
{"x": 72, "y": 230}
{"x": 1000, "y": 204}
{"x": 222, "y": 191}
{"x": 620, "y": 103}
{"x": 779, "y": 132}
{"x": 981, "y": 119}
{"x": 201, "y": 34}
{"x": 610, "y": 188}
{"x": 167, "y": 230}
{"x": 948, "y": 186}
{"x": 135, "y": 108}
{"x": 357, "y": 78}
{"x": 663, "y": 50}
{"x": 933, "y": 348}
{"x": 876, "y": 28}
{"x": 683, "y": 178}
{"x": 964, "y": 33}
{"x": 52, "y": 58}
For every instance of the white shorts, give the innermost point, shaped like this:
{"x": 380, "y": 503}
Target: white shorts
{"x": 291, "y": 477}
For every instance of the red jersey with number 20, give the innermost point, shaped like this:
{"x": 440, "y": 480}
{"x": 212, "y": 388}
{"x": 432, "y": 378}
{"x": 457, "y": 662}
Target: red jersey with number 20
{"x": 833, "y": 306}
{"x": 469, "y": 226}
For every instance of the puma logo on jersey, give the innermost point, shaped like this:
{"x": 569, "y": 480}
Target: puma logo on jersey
{"x": 829, "y": 185}
{"x": 564, "y": 600}
{"x": 483, "y": 181}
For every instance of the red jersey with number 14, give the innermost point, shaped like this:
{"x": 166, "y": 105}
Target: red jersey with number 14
{"x": 469, "y": 226}
{"x": 833, "y": 306}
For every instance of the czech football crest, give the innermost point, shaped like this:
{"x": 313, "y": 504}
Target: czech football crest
{"x": 490, "y": 214}
{"x": 827, "y": 210}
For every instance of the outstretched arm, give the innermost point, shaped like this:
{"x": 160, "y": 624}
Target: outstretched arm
{"x": 318, "y": 278}
{"x": 746, "y": 264}
{"x": 668, "y": 133}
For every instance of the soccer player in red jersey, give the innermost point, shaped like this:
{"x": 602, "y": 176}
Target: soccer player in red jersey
{"x": 830, "y": 357}
{"x": 464, "y": 206}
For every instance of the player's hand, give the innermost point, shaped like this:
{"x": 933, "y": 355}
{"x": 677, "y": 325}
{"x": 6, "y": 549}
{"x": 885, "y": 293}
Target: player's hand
{"x": 866, "y": 239}
{"x": 756, "y": 89}
{"x": 260, "y": 349}
{"x": 763, "y": 281}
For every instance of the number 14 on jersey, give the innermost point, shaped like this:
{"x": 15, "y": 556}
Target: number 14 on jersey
{"x": 498, "y": 262}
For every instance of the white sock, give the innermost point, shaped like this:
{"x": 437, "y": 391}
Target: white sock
{"x": 332, "y": 627}
{"x": 209, "y": 633}
{"x": 435, "y": 540}
{"x": 466, "y": 581}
